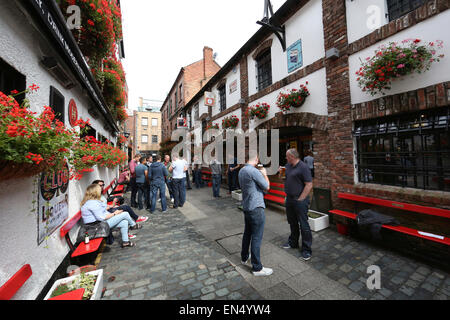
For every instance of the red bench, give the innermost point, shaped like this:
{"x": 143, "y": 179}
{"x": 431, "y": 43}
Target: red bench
{"x": 72, "y": 295}
{"x": 10, "y": 288}
{"x": 276, "y": 193}
{"x": 206, "y": 176}
{"x": 401, "y": 206}
{"x": 82, "y": 248}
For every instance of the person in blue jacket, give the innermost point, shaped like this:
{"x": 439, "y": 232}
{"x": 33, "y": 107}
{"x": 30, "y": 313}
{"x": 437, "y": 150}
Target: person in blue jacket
{"x": 157, "y": 174}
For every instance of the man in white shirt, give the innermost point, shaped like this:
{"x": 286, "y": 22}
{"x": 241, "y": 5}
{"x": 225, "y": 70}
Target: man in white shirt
{"x": 178, "y": 169}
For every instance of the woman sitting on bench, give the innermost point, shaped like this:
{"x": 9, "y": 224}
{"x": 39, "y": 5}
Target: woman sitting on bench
{"x": 93, "y": 210}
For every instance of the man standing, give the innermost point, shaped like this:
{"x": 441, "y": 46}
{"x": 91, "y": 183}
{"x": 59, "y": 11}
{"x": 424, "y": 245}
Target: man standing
{"x": 178, "y": 169}
{"x": 157, "y": 176}
{"x": 216, "y": 175}
{"x": 233, "y": 170}
{"x": 169, "y": 181}
{"x": 297, "y": 186}
{"x": 309, "y": 160}
{"x": 132, "y": 165}
{"x": 141, "y": 179}
{"x": 254, "y": 183}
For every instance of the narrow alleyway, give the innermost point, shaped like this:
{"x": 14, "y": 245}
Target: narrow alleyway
{"x": 194, "y": 253}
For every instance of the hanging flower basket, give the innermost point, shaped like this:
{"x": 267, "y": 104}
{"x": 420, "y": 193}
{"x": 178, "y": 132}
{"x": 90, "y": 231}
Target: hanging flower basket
{"x": 230, "y": 122}
{"x": 260, "y": 111}
{"x": 13, "y": 170}
{"x": 294, "y": 99}
{"x": 396, "y": 60}
{"x": 212, "y": 126}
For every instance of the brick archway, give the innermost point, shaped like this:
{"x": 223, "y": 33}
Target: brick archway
{"x": 301, "y": 119}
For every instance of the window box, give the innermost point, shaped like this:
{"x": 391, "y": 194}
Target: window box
{"x": 317, "y": 220}
{"x": 93, "y": 292}
{"x": 237, "y": 194}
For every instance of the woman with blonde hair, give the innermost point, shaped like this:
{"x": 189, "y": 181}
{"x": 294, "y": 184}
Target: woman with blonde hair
{"x": 93, "y": 210}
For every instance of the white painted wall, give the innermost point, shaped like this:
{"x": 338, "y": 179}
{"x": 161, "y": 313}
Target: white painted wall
{"x": 306, "y": 25}
{"x": 432, "y": 29}
{"x": 316, "y": 103}
{"x": 18, "y": 226}
{"x": 365, "y": 16}
{"x": 231, "y": 98}
{"x": 237, "y": 113}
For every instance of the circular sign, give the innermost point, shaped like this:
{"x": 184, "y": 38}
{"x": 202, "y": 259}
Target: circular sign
{"x": 73, "y": 113}
{"x": 52, "y": 182}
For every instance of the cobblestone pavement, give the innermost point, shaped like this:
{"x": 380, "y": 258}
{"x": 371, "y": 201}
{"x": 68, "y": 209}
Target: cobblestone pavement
{"x": 194, "y": 253}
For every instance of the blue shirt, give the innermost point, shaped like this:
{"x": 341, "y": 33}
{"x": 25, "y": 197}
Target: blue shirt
{"x": 253, "y": 186}
{"x": 296, "y": 176}
{"x": 93, "y": 210}
{"x": 140, "y": 173}
{"x": 157, "y": 172}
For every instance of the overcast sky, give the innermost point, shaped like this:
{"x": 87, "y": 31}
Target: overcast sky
{"x": 164, "y": 35}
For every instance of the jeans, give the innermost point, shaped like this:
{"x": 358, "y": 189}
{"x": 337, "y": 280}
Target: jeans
{"x": 126, "y": 208}
{"x": 232, "y": 180}
{"x": 297, "y": 216}
{"x": 198, "y": 179}
{"x": 141, "y": 193}
{"x": 253, "y": 234}
{"x": 183, "y": 191}
{"x": 177, "y": 192}
{"x": 216, "y": 181}
{"x": 133, "y": 186}
{"x": 121, "y": 221}
{"x": 169, "y": 184}
{"x": 188, "y": 180}
{"x": 154, "y": 187}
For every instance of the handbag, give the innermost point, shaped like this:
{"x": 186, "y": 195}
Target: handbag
{"x": 98, "y": 229}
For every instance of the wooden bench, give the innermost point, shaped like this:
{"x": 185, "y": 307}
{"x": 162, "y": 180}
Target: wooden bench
{"x": 10, "y": 288}
{"x": 82, "y": 248}
{"x": 276, "y": 193}
{"x": 401, "y": 206}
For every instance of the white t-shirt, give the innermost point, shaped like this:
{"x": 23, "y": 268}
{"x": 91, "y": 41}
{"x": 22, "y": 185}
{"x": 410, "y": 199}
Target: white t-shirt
{"x": 178, "y": 169}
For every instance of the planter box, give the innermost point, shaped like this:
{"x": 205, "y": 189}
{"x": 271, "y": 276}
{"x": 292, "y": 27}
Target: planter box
{"x": 236, "y": 195}
{"x": 320, "y": 223}
{"x": 98, "y": 288}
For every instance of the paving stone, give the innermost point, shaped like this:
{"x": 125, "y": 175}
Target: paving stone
{"x": 222, "y": 292}
{"x": 208, "y": 289}
{"x": 209, "y": 296}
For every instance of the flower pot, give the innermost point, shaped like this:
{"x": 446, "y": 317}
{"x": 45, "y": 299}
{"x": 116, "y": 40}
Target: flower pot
{"x": 298, "y": 105}
{"x": 320, "y": 223}
{"x": 98, "y": 287}
{"x": 14, "y": 170}
{"x": 237, "y": 195}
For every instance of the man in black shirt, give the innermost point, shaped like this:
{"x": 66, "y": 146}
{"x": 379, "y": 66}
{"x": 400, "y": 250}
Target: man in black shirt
{"x": 297, "y": 186}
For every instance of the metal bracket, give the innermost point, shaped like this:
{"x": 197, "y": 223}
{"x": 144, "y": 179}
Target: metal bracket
{"x": 265, "y": 22}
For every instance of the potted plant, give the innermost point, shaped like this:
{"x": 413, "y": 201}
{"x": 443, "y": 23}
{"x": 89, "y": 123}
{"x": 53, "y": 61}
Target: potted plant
{"x": 260, "y": 111}
{"x": 295, "y": 98}
{"x": 317, "y": 220}
{"x": 396, "y": 60}
{"x": 237, "y": 194}
{"x": 230, "y": 122}
{"x": 212, "y": 126}
{"x": 92, "y": 282}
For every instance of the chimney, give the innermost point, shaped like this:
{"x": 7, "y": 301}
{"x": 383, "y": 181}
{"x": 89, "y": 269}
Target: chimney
{"x": 207, "y": 59}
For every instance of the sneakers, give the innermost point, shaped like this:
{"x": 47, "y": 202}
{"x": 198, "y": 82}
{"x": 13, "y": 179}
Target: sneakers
{"x": 306, "y": 256}
{"x": 172, "y": 200}
{"x": 142, "y": 219}
{"x": 131, "y": 236}
{"x": 263, "y": 272}
{"x": 286, "y": 246}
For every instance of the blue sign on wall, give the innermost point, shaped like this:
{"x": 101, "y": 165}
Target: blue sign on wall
{"x": 294, "y": 56}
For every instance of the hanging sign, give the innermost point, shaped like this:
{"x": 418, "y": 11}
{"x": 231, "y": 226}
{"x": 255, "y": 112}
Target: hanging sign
{"x": 73, "y": 112}
{"x": 210, "y": 99}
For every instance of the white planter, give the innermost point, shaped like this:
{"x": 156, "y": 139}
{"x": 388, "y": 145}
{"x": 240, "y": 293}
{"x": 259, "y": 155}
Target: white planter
{"x": 98, "y": 288}
{"x": 236, "y": 195}
{"x": 318, "y": 224}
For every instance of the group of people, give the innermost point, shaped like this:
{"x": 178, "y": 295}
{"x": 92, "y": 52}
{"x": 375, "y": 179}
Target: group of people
{"x": 254, "y": 184}
{"x": 253, "y": 181}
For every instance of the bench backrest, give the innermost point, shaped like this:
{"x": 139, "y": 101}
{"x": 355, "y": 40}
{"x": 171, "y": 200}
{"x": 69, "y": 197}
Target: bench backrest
{"x": 69, "y": 224}
{"x": 105, "y": 190}
{"x": 9, "y": 289}
{"x": 396, "y": 205}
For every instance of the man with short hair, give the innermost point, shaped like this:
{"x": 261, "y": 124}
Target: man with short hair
{"x": 141, "y": 178}
{"x": 132, "y": 165}
{"x": 216, "y": 177}
{"x": 254, "y": 182}
{"x": 157, "y": 175}
{"x": 297, "y": 186}
{"x": 178, "y": 169}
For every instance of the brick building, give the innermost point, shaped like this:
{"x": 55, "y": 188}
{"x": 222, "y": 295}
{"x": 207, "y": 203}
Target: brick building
{"x": 351, "y": 133}
{"x": 189, "y": 81}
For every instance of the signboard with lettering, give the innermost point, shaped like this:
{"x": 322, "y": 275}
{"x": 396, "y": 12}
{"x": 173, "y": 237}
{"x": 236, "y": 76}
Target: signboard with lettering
{"x": 53, "y": 204}
{"x": 294, "y": 56}
{"x": 73, "y": 113}
{"x": 233, "y": 86}
{"x": 210, "y": 99}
